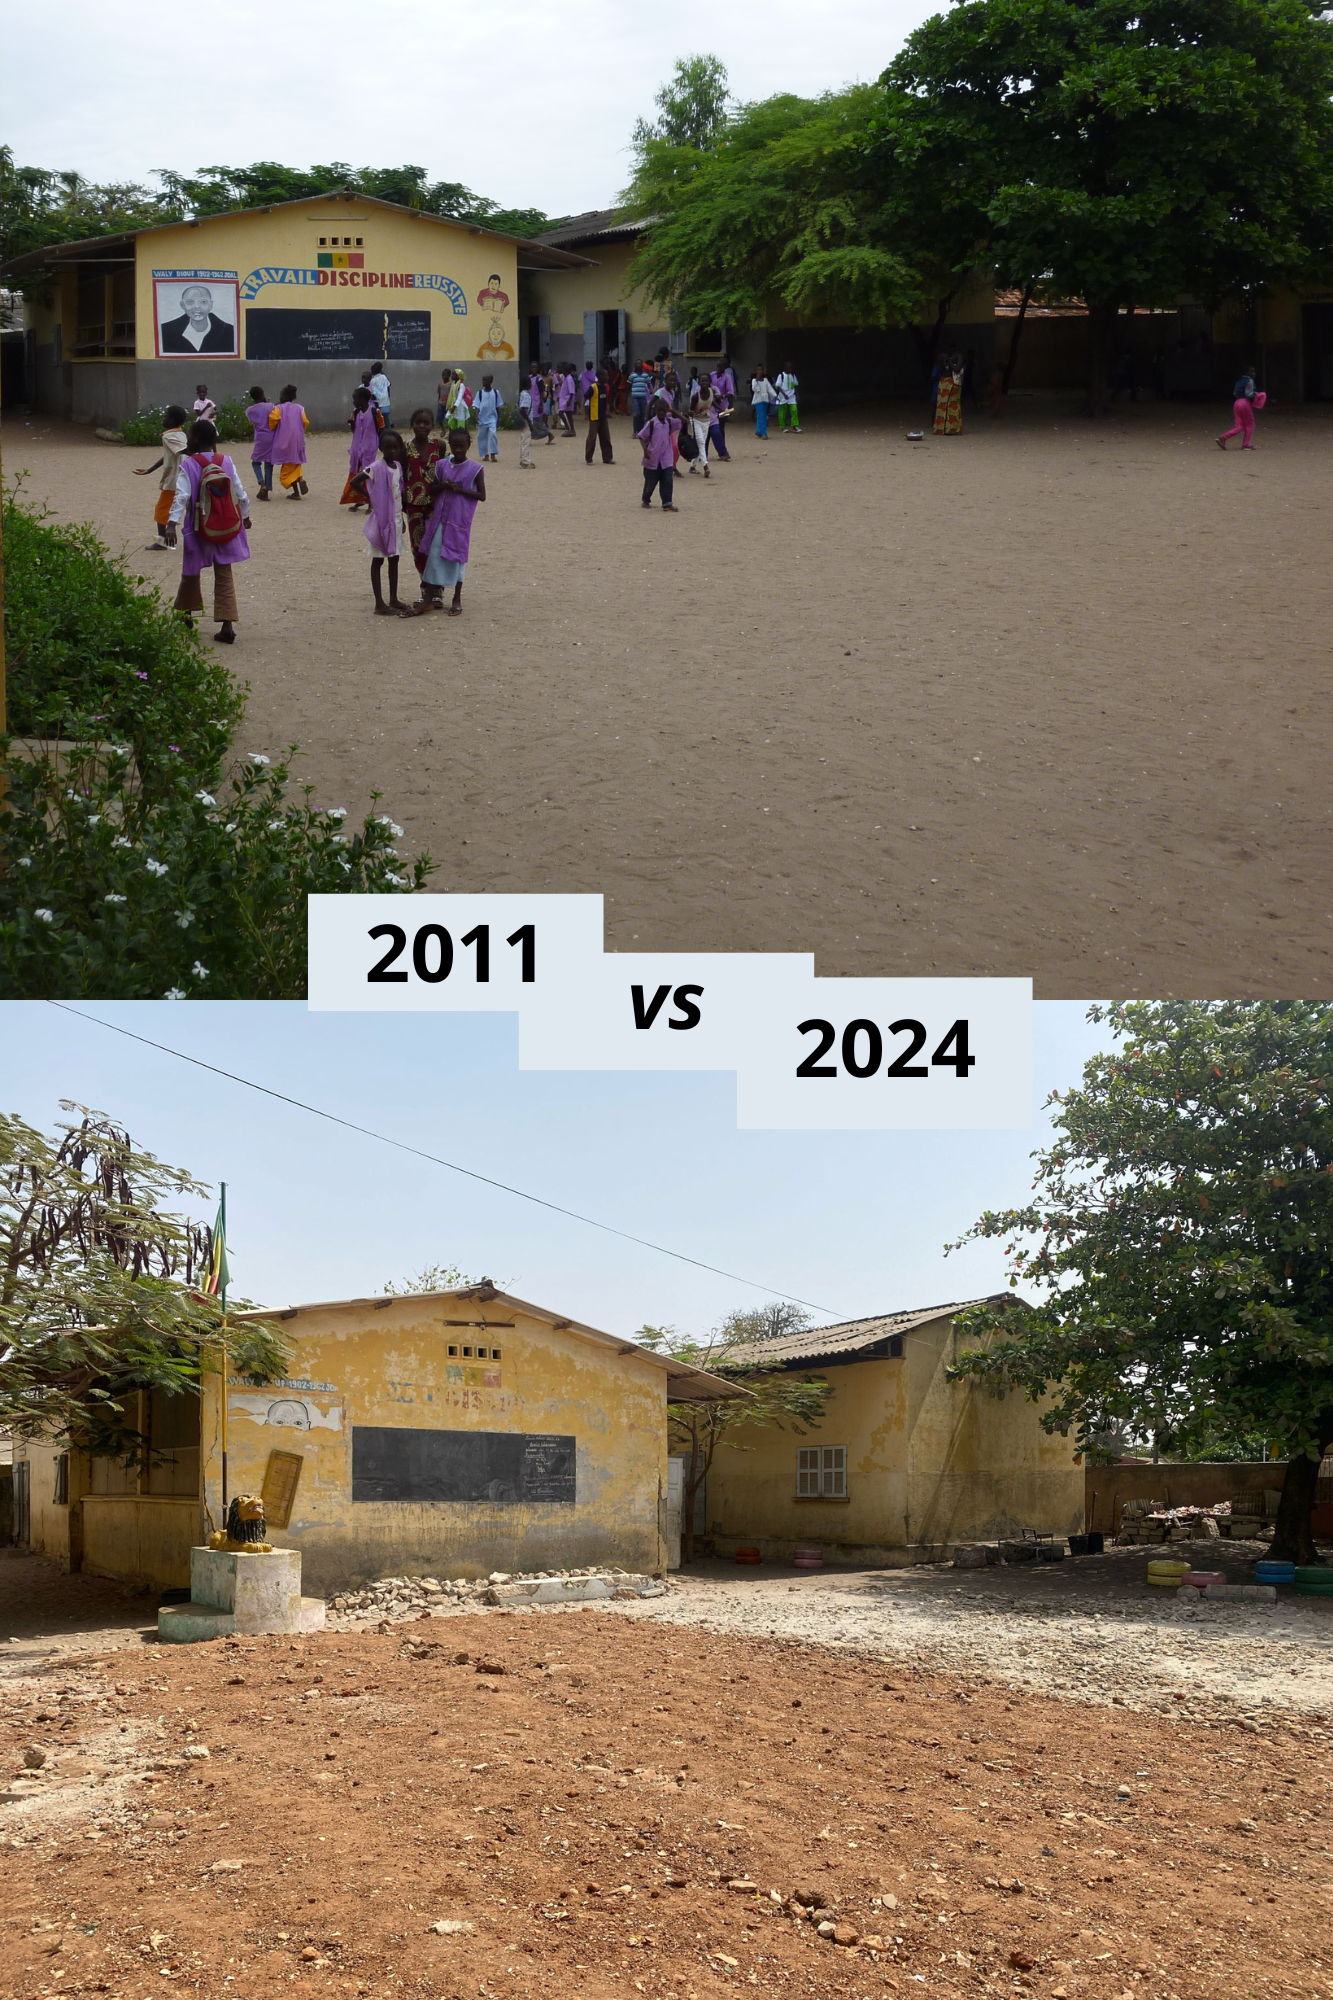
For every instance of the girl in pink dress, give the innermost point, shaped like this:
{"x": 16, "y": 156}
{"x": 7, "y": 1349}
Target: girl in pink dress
{"x": 380, "y": 486}
{"x": 1248, "y": 400}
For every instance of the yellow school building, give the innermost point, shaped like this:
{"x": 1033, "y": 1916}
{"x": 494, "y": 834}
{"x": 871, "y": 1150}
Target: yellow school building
{"x": 310, "y": 292}
{"x": 905, "y": 1465}
{"x": 446, "y": 1434}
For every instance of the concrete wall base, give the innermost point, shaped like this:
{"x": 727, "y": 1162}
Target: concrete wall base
{"x": 241, "y": 1593}
{"x": 573, "y": 1590}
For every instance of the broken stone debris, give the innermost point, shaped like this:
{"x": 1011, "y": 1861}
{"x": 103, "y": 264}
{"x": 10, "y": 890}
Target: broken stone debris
{"x": 403, "y": 1597}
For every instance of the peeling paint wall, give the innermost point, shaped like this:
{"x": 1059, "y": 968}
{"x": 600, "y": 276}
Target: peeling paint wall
{"x": 390, "y": 1368}
{"x": 930, "y": 1463}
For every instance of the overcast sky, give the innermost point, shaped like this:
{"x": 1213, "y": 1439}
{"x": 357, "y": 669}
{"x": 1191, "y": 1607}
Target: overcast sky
{"x": 532, "y": 105}
{"x": 853, "y": 1222}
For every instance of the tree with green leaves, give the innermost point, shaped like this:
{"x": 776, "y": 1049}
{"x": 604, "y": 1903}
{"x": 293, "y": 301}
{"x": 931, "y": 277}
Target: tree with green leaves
{"x": 1180, "y": 1235}
{"x": 97, "y": 1286}
{"x": 38, "y": 207}
{"x": 776, "y": 1398}
{"x": 436, "y": 1278}
{"x": 691, "y": 108}
{"x": 1123, "y": 154}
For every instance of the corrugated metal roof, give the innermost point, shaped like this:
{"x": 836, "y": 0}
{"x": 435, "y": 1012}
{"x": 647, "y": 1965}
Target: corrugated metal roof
{"x": 684, "y": 1384}
{"x": 852, "y": 1336}
{"x": 594, "y": 224}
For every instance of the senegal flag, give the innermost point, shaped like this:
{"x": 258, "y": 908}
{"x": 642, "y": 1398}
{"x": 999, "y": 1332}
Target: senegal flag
{"x": 218, "y": 1277}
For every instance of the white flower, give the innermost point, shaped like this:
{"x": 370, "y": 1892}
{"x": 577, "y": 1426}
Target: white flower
{"x": 199, "y": 971}
{"x": 231, "y": 826}
{"x": 336, "y": 812}
{"x": 184, "y": 919}
{"x": 46, "y": 916}
{"x": 206, "y": 798}
{"x": 399, "y": 881}
{"x": 155, "y": 867}
{"x": 339, "y": 840}
{"x": 258, "y": 757}
{"x": 24, "y": 861}
{"x": 94, "y": 819}
{"x": 343, "y": 862}
{"x": 113, "y": 899}
{"x": 120, "y": 841}
{"x": 174, "y": 993}
{"x": 396, "y": 831}
{"x": 276, "y": 825}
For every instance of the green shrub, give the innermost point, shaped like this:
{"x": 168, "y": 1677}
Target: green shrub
{"x": 146, "y": 426}
{"x": 108, "y": 894}
{"x": 92, "y": 655}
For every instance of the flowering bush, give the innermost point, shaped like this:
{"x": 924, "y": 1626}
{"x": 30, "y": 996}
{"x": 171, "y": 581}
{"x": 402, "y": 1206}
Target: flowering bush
{"x": 146, "y": 426}
{"x": 91, "y": 654}
{"x": 110, "y": 893}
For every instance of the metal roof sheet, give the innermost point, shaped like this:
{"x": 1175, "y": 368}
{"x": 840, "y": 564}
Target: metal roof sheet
{"x": 851, "y": 1336}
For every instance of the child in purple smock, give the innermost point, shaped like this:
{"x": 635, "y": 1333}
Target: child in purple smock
{"x": 380, "y": 485}
{"x": 366, "y": 424}
{"x": 261, "y": 451}
{"x": 658, "y": 438}
{"x": 565, "y": 401}
{"x": 289, "y": 424}
{"x": 199, "y": 555}
{"x": 447, "y": 536}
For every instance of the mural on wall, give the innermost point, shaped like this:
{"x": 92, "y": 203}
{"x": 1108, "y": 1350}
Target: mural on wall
{"x": 493, "y": 301}
{"x": 361, "y": 280}
{"x": 288, "y": 1404}
{"x": 196, "y": 312}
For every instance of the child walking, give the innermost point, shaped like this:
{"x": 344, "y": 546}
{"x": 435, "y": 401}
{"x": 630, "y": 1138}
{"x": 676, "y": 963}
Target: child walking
{"x": 525, "y": 429}
{"x": 289, "y": 424}
{"x": 381, "y": 485}
{"x": 173, "y": 445}
{"x": 789, "y": 415}
{"x": 448, "y": 535}
{"x": 1248, "y": 400}
{"x": 365, "y": 424}
{"x": 489, "y": 405}
{"x": 205, "y": 409}
{"x": 658, "y": 438}
{"x": 261, "y": 451}
{"x": 213, "y": 513}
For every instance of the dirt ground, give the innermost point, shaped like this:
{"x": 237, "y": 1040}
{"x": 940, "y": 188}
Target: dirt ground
{"x": 1047, "y": 699}
{"x": 580, "y": 1802}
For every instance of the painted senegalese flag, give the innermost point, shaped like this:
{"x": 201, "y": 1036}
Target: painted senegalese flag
{"x": 218, "y": 1277}
{"x": 342, "y": 260}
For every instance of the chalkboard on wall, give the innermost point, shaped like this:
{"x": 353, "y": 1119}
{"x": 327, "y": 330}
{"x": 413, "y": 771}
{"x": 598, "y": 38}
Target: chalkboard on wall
{"x": 288, "y": 335}
{"x": 499, "y": 1467}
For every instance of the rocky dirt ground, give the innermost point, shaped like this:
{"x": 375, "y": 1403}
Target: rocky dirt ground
{"x": 634, "y": 1798}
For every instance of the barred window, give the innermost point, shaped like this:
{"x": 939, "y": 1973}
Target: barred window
{"x": 821, "y": 1472}
{"x": 61, "y": 1495}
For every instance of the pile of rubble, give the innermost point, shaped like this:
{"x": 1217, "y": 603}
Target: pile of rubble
{"x": 396, "y": 1598}
{"x": 1251, "y": 1518}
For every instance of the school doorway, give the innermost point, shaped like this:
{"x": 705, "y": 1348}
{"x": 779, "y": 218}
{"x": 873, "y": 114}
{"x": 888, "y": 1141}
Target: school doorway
{"x": 604, "y": 338}
{"x": 1317, "y": 343}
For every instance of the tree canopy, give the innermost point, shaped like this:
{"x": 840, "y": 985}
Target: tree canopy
{"x": 691, "y": 108}
{"x": 97, "y": 1285}
{"x": 776, "y": 1398}
{"x": 1180, "y": 1235}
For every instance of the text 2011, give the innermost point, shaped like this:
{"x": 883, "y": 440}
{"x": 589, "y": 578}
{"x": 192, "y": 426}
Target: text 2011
{"x": 433, "y": 954}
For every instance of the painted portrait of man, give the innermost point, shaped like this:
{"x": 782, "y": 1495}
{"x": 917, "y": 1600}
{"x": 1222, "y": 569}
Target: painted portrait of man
{"x": 192, "y": 318}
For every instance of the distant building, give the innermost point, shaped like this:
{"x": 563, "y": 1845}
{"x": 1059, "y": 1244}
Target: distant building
{"x": 307, "y": 291}
{"x": 442, "y": 1433}
{"x": 905, "y": 1464}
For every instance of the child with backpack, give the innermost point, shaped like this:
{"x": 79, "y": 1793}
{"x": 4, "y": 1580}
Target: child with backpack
{"x": 261, "y": 451}
{"x": 289, "y": 423}
{"x": 1248, "y": 400}
{"x": 173, "y": 444}
{"x": 381, "y": 485}
{"x": 213, "y": 513}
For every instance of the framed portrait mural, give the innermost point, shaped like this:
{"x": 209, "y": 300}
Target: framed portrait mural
{"x": 196, "y": 312}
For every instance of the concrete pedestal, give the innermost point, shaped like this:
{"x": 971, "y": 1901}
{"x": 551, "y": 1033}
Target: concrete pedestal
{"x": 241, "y": 1593}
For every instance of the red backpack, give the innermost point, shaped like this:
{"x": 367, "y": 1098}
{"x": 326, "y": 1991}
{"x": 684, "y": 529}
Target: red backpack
{"x": 216, "y": 518}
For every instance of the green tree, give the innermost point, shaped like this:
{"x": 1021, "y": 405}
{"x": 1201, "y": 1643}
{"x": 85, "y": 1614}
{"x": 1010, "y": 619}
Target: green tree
{"x": 436, "y": 1278}
{"x": 691, "y": 108}
{"x": 776, "y": 1398}
{"x": 215, "y": 190}
{"x": 38, "y": 207}
{"x": 1180, "y": 1234}
{"x": 96, "y": 1286}
{"x": 787, "y": 206}
{"x": 1124, "y": 154}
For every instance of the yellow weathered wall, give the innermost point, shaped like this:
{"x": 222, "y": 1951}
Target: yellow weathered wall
{"x": 140, "y": 1538}
{"x": 359, "y": 1365}
{"x": 601, "y": 287}
{"x": 50, "y": 1524}
{"x": 929, "y": 1463}
{"x": 287, "y": 241}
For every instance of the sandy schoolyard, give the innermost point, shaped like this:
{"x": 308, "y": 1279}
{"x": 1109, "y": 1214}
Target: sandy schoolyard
{"x": 1048, "y": 699}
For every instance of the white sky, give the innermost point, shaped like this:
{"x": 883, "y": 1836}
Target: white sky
{"x": 855, "y": 1222}
{"x": 532, "y": 105}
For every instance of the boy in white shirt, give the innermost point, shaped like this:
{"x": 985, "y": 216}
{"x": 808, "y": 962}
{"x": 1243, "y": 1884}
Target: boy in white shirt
{"x": 788, "y": 414}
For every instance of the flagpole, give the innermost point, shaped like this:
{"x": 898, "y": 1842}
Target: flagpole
{"x": 222, "y": 1224}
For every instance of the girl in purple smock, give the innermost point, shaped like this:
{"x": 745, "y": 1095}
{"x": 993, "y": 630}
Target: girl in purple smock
{"x": 221, "y": 557}
{"x": 447, "y": 535}
{"x": 366, "y": 423}
{"x": 565, "y": 401}
{"x": 289, "y": 424}
{"x": 261, "y": 451}
{"x": 380, "y": 485}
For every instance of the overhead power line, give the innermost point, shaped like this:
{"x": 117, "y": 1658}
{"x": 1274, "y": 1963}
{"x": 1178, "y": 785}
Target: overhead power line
{"x": 470, "y": 1173}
